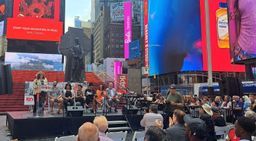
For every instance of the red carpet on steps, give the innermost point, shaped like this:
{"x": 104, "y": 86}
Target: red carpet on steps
{"x": 15, "y": 101}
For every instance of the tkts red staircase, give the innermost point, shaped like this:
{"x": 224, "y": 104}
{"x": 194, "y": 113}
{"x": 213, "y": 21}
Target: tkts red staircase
{"x": 15, "y": 101}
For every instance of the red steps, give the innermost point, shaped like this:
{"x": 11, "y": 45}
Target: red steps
{"x": 15, "y": 101}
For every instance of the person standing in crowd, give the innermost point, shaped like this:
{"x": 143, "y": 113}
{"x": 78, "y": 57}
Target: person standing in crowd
{"x": 176, "y": 130}
{"x": 174, "y": 101}
{"x": 56, "y": 96}
{"x": 155, "y": 134}
{"x": 89, "y": 94}
{"x": 217, "y": 118}
{"x": 102, "y": 123}
{"x": 99, "y": 97}
{"x": 80, "y": 95}
{"x": 247, "y": 103}
{"x": 195, "y": 129}
{"x": 38, "y": 83}
{"x": 113, "y": 99}
{"x": 88, "y": 132}
{"x": 244, "y": 127}
{"x": 149, "y": 119}
{"x": 68, "y": 97}
{"x": 205, "y": 114}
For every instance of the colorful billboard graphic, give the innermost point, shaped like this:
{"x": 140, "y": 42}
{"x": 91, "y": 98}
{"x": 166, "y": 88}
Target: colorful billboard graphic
{"x": 118, "y": 69}
{"x": 134, "y": 50}
{"x": 34, "y": 61}
{"x": 28, "y": 14}
{"x": 117, "y": 11}
{"x": 127, "y": 27}
{"x": 174, "y": 38}
{"x": 220, "y": 53}
{"x": 242, "y": 26}
{"x": 146, "y": 55}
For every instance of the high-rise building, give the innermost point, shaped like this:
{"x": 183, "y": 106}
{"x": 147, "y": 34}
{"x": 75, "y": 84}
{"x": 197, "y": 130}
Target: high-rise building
{"x": 108, "y": 30}
{"x": 77, "y": 22}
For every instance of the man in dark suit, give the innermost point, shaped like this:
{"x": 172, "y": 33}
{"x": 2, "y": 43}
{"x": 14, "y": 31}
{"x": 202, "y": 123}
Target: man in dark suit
{"x": 176, "y": 130}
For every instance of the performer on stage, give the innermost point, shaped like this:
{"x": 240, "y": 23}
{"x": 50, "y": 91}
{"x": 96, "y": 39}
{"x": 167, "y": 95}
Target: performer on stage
{"x": 80, "y": 96}
{"x": 113, "y": 99}
{"x": 99, "y": 97}
{"x": 68, "y": 96}
{"x": 56, "y": 96}
{"x": 37, "y": 84}
{"x": 89, "y": 94}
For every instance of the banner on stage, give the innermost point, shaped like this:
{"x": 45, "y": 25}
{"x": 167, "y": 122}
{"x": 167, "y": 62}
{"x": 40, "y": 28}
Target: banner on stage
{"x": 29, "y": 100}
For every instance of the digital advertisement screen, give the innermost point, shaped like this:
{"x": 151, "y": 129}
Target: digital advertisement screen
{"x": 32, "y": 46}
{"x": 174, "y": 33}
{"x": 219, "y": 35}
{"x": 35, "y": 20}
{"x": 34, "y": 61}
{"x": 242, "y": 27}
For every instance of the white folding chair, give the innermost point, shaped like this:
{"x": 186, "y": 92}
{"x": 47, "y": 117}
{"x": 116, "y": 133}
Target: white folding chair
{"x": 66, "y": 138}
{"x": 138, "y": 136}
{"x": 117, "y": 136}
{"x": 221, "y": 131}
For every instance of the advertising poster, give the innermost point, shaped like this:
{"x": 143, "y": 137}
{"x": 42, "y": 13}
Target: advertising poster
{"x": 117, "y": 11}
{"x": 34, "y": 61}
{"x": 26, "y": 16}
{"x": 127, "y": 27}
{"x": 220, "y": 49}
{"x": 134, "y": 50}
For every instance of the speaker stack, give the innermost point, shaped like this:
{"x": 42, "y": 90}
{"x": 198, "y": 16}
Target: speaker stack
{"x": 6, "y": 82}
{"x": 231, "y": 86}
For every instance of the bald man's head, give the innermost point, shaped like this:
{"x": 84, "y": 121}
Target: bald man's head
{"x": 88, "y": 132}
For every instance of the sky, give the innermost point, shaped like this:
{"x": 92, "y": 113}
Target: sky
{"x": 81, "y": 8}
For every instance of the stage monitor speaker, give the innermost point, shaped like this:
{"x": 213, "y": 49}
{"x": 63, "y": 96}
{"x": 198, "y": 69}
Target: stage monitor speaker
{"x": 75, "y": 111}
{"x": 2, "y": 79}
{"x": 131, "y": 110}
{"x": 8, "y": 79}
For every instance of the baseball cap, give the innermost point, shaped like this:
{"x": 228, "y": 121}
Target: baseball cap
{"x": 173, "y": 86}
{"x": 197, "y": 126}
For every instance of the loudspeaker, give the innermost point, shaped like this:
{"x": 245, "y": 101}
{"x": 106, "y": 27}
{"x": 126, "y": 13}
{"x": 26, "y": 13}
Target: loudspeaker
{"x": 231, "y": 86}
{"x": 8, "y": 79}
{"x": 132, "y": 110}
{"x": 75, "y": 111}
{"x": 2, "y": 79}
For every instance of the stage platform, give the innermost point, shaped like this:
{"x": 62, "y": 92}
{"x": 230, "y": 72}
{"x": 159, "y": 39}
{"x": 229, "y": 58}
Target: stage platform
{"x": 25, "y": 125}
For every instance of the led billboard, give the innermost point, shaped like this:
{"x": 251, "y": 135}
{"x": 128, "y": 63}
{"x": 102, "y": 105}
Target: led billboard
{"x": 174, "y": 36}
{"x": 35, "y": 20}
{"x": 242, "y": 27}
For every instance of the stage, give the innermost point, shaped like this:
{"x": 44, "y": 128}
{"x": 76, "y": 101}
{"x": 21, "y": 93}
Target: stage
{"x": 24, "y": 124}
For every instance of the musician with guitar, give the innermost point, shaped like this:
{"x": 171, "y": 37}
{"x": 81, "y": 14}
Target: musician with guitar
{"x": 39, "y": 94}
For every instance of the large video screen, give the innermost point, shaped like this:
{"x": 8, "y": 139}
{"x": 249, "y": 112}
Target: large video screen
{"x": 35, "y": 20}
{"x": 34, "y": 61}
{"x": 220, "y": 49}
{"x": 242, "y": 28}
{"x": 174, "y": 36}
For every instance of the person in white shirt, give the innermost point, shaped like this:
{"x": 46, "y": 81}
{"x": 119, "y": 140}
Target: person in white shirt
{"x": 149, "y": 119}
